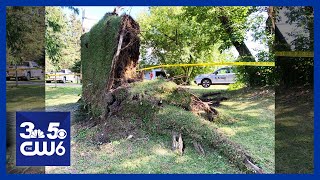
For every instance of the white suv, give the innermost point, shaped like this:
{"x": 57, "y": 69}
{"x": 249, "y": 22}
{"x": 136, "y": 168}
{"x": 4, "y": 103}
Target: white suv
{"x": 221, "y": 76}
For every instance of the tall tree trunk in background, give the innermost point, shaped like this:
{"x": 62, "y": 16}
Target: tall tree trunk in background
{"x": 185, "y": 70}
{"x": 55, "y": 78}
{"x": 241, "y": 47}
{"x": 16, "y": 73}
{"x": 271, "y": 23}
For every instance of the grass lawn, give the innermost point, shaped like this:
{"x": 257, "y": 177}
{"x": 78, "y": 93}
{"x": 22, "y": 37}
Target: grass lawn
{"x": 21, "y": 98}
{"x": 250, "y": 121}
{"x": 294, "y": 131}
{"x": 62, "y": 98}
{"x": 150, "y": 154}
{"x": 25, "y": 97}
{"x": 247, "y": 118}
{"x": 199, "y": 90}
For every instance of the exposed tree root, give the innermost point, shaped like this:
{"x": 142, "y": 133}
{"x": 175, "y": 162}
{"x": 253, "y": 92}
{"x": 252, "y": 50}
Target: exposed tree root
{"x": 198, "y": 147}
{"x": 257, "y": 169}
{"x": 125, "y": 59}
{"x": 177, "y": 143}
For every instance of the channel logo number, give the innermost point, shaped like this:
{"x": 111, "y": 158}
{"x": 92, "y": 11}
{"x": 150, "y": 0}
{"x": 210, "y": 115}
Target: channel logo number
{"x": 43, "y": 139}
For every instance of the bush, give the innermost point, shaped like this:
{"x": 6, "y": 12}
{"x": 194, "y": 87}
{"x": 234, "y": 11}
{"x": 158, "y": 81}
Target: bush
{"x": 236, "y": 86}
{"x": 257, "y": 75}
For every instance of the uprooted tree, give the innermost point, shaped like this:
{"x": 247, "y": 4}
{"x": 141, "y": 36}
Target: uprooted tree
{"x": 109, "y": 55}
{"x": 112, "y": 95}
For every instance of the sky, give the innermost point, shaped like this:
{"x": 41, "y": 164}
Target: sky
{"x": 94, "y": 13}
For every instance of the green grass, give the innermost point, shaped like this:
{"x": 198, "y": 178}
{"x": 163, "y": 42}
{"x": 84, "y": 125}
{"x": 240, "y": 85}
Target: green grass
{"x": 151, "y": 154}
{"x": 294, "y": 131}
{"x": 199, "y": 90}
{"x": 250, "y": 122}
{"x": 62, "y": 99}
{"x": 62, "y": 95}
{"x": 23, "y": 98}
{"x": 247, "y": 118}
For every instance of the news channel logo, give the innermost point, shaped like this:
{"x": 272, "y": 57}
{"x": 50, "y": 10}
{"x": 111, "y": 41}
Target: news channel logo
{"x": 43, "y": 138}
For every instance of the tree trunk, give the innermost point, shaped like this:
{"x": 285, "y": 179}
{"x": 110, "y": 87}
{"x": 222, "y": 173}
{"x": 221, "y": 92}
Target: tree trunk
{"x": 271, "y": 24}
{"x": 241, "y": 47}
{"x": 16, "y": 69}
{"x": 185, "y": 70}
{"x": 55, "y": 78}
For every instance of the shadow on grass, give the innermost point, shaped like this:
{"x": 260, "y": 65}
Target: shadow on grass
{"x": 21, "y": 98}
{"x": 247, "y": 117}
{"x": 24, "y": 98}
{"x": 252, "y": 126}
{"x": 294, "y": 132}
{"x": 63, "y": 107}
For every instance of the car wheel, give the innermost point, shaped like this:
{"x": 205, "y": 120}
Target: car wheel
{"x": 28, "y": 76}
{"x": 206, "y": 83}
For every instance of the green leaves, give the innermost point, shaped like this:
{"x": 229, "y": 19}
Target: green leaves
{"x": 54, "y": 42}
{"x": 25, "y": 33}
{"x": 62, "y": 38}
{"x": 173, "y": 35}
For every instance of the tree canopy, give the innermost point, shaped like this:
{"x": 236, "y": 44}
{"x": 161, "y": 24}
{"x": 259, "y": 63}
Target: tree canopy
{"x": 297, "y": 36}
{"x": 173, "y": 35}
{"x": 62, "y": 38}
{"x": 25, "y": 34}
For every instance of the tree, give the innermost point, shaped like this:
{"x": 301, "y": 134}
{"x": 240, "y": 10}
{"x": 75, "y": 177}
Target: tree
{"x": 72, "y": 34}
{"x": 300, "y": 32}
{"x": 170, "y": 38}
{"x": 54, "y": 40}
{"x": 63, "y": 39}
{"x": 25, "y": 34}
{"x": 232, "y": 24}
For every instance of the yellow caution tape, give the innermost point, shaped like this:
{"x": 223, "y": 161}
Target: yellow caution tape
{"x": 294, "y": 53}
{"x": 212, "y": 64}
{"x": 75, "y": 74}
